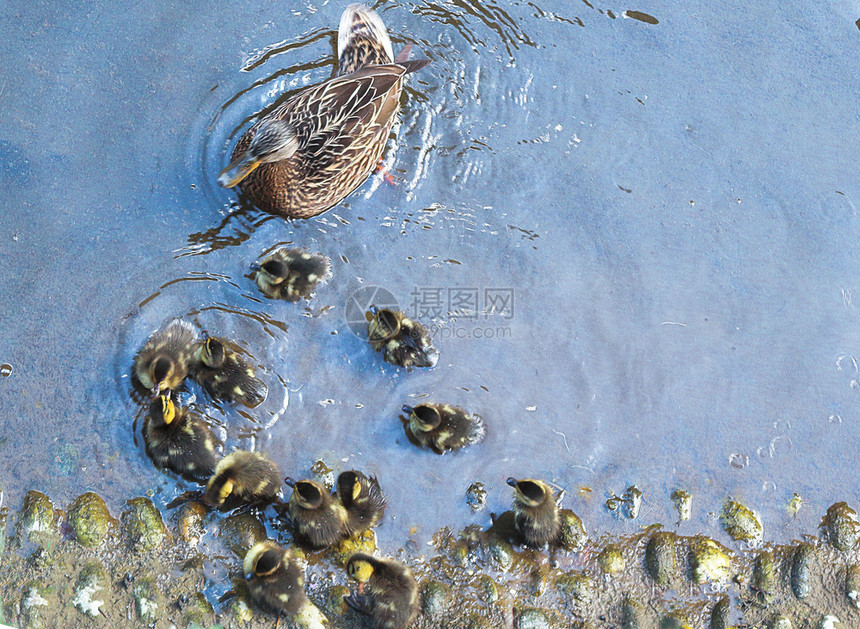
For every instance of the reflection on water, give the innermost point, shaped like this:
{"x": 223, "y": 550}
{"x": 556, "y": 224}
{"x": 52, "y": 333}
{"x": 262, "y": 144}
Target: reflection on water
{"x": 546, "y": 151}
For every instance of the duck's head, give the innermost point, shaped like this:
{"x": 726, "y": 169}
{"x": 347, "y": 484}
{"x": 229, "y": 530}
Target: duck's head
{"x": 273, "y": 271}
{"x": 423, "y": 417}
{"x": 212, "y": 353}
{"x": 529, "y": 492}
{"x": 218, "y": 489}
{"x": 161, "y": 371}
{"x": 360, "y": 567}
{"x": 307, "y": 494}
{"x": 349, "y": 487}
{"x": 162, "y": 411}
{"x": 384, "y": 325}
{"x": 274, "y": 141}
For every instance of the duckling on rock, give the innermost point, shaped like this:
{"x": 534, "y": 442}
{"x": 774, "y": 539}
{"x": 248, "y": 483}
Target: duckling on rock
{"x": 291, "y": 274}
{"x": 225, "y": 375}
{"x": 276, "y": 583}
{"x": 386, "y": 591}
{"x": 319, "y": 520}
{"x": 243, "y": 478}
{"x": 536, "y": 517}
{"x": 362, "y": 498}
{"x": 442, "y": 427}
{"x": 164, "y": 360}
{"x": 179, "y": 440}
{"x": 403, "y": 342}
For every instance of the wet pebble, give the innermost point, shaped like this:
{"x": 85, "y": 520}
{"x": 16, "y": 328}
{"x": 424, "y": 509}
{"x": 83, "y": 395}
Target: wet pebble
{"x": 476, "y": 497}
{"x": 532, "y": 619}
{"x": 501, "y": 554}
{"x": 852, "y": 585}
{"x": 720, "y": 614}
{"x": 801, "y": 570}
{"x": 322, "y": 473}
{"x": 611, "y": 559}
{"x": 840, "y": 526}
{"x": 763, "y": 576}
{"x": 240, "y": 531}
{"x": 632, "y": 502}
{"x": 146, "y": 597}
{"x": 660, "y": 562}
{"x": 631, "y": 614}
{"x": 683, "y": 501}
{"x": 241, "y": 606}
{"x": 829, "y": 622}
{"x": 779, "y": 622}
{"x": 675, "y": 620}
{"x": 37, "y": 514}
{"x": 142, "y": 525}
{"x": 435, "y": 597}
{"x": 333, "y": 601}
{"x": 709, "y": 560}
{"x": 92, "y": 579}
{"x": 741, "y": 522}
{"x": 89, "y": 518}
{"x": 572, "y": 535}
{"x": 190, "y": 522}
{"x": 487, "y": 589}
{"x": 575, "y": 588}
{"x": 197, "y": 610}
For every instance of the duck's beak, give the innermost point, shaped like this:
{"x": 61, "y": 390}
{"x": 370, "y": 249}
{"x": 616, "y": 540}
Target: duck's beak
{"x": 289, "y": 482}
{"x": 255, "y": 266}
{"x": 407, "y": 409}
{"x": 238, "y": 170}
{"x": 512, "y": 481}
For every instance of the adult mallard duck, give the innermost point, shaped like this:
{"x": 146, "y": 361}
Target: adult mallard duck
{"x": 312, "y": 151}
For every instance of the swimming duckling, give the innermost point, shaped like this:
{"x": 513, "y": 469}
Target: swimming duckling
{"x": 386, "y": 591}
{"x": 179, "y": 440}
{"x": 243, "y": 478}
{"x": 276, "y": 583}
{"x": 362, "y": 499}
{"x": 319, "y": 521}
{"x": 164, "y": 360}
{"x": 403, "y": 342}
{"x": 536, "y": 517}
{"x": 225, "y": 375}
{"x": 291, "y": 274}
{"x": 442, "y": 427}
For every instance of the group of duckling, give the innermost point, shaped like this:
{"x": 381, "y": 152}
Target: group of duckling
{"x": 300, "y": 160}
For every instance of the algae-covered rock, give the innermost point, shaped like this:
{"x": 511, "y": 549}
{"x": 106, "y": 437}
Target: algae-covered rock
{"x": 575, "y": 588}
{"x": 763, "y": 576}
{"x": 197, "y": 610}
{"x": 190, "y": 523}
{"x": 572, "y": 535}
{"x": 476, "y": 497}
{"x": 611, "y": 559}
{"x": 92, "y": 579}
{"x": 720, "y": 614}
{"x": 240, "y": 531}
{"x": 779, "y": 622}
{"x": 632, "y": 499}
{"x": 36, "y": 515}
{"x": 501, "y": 554}
{"x": 241, "y": 605}
{"x": 709, "y": 561}
{"x": 435, "y": 596}
{"x": 486, "y": 588}
{"x": 334, "y": 600}
{"x": 740, "y": 522}
{"x": 852, "y": 585}
{"x": 660, "y": 557}
{"x": 631, "y": 614}
{"x": 840, "y": 526}
{"x": 362, "y": 543}
{"x": 142, "y": 525}
{"x": 683, "y": 501}
{"x": 89, "y": 518}
{"x": 34, "y": 604}
{"x": 532, "y": 618}
{"x": 801, "y": 569}
{"x": 146, "y": 600}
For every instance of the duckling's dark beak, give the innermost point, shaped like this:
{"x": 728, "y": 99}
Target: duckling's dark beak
{"x": 289, "y": 482}
{"x": 407, "y": 409}
{"x": 255, "y": 266}
{"x": 373, "y": 310}
{"x": 156, "y": 391}
{"x": 512, "y": 481}
{"x": 248, "y": 576}
{"x": 238, "y": 170}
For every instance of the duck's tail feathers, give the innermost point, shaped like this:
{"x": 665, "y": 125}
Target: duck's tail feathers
{"x": 359, "y": 21}
{"x": 402, "y": 59}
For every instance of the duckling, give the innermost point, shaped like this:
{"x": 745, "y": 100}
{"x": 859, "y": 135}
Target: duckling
{"x": 225, "y": 375}
{"x": 276, "y": 583}
{"x": 442, "y": 427}
{"x": 403, "y": 342}
{"x": 362, "y": 499}
{"x": 164, "y": 360}
{"x": 243, "y": 478}
{"x": 179, "y": 440}
{"x": 291, "y": 274}
{"x": 386, "y": 591}
{"x": 319, "y": 521}
{"x": 536, "y": 516}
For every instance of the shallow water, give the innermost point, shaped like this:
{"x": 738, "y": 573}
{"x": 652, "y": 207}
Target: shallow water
{"x": 670, "y": 209}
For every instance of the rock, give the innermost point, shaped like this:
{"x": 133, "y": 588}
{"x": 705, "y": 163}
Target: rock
{"x": 709, "y": 560}
{"x": 660, "y": 557}
{"x": 322, "y": 473}
{"x": 190, "y": 522}
{"x": 434, "y": 600}
{"x": 197, "y": 610}
{"x": 240, "y": 531}
{"x": 763, "y": 577}
{"x": 852, "y": 585}
{"x": 572, "y": 535}
{"x": 720, "y": 614}
{"x": 146, "y": 597}
{"x": 840, "y": 527}
{"x": 501, "y": 554}
{"x": 610, "y": 559}
{"x": 37, "y": 514}
{"x": 779, "y": 622}
{"x": 575, "y": 588}
{"x": 142, "y": 525}
{"x": 800, "y": 570}
{"x": 531, "y": 618}
{"x": 632, "y": 502}
{"x": 33, "y": 602}
{"x": 683, "y": 502}
{"x": 829, "y": 622}
{"x": 333, "y": 600}
{"x": 476, "y": 497}
{"x": 631, "y": 614}
{"x": 487, "y": 589}
{"x": 675, "y": 620}
{"x": 89, "y": 518}
{"x": 91, "y": 580}
{"x": 741, "y": 523}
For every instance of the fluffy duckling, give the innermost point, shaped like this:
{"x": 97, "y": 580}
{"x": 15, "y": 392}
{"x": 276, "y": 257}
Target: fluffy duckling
{"x": 243, "y": 478}
{"x": 442, "y": 427}
{"x": 403, "y": 342}
{"x": 386, "y": 591}
{"x": 164, "y": 360}
{"x": 276, "y": 583}
{"x": 225, "y": 375}
{"x": 536, "y": 516}
{"x": 179, "y": 440}
{"x": 362, "y": 499}
{"x": 291, "y": 274}
{"x": 319, "y": 520}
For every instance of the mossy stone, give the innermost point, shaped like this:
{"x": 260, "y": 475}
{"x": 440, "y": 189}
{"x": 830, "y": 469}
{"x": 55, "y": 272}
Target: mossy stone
{"x": 89, "y": 518}
{"x": 532, "y": 618}
{"x": 576, "y": 588}
{"x": 840, "y": 527}
{"x": 190, "y": 522}
{"x": 37, "y": 514}
{"x": 92, "y": 579}
{"x": 198, "y": 610}
{"x": 240, "y": 531}
{"x": 741, "y": 522}
{"x": 146, "y": 600}
{"x": 611, "y": 559}
{"x": 572, "y": 535}
{"x": 362, "y": 543}
{"x": 709, "y": 560}
{"x": 333, "y": 601}
{"x": 142, "y": 525}
{"x": 486, "y": 588}
{"x": 434, "y": 599}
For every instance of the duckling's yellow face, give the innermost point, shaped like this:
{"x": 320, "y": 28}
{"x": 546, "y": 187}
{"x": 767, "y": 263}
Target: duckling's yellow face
{"x": 359, "y": 569}
{"x": 212, "y": 353}
{"x": 356, "y": 489}
{"x": 226, "y": 490}
{"x": 168, "y": 410}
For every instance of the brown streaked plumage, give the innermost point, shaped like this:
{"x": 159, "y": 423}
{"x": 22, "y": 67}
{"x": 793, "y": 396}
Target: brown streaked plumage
{"x": 179, "y": 440}
{"x": 319, "y": 520}
{"x": 291, "y": 274}
{"x": 386, "y": 591}
{"x": 362, "y": 498}
{"x": 165, "y": 359}
{"x": 226, "y": 375}
{"x": 536, "y": 516}
{"x": 442, "y": 427}
{"x": 321, "y": 144}
{"x": 403, "y": 342}
{"x": 243, "y": 478}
